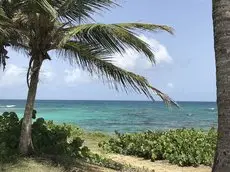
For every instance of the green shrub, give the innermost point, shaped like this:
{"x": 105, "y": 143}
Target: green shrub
{"x": 9, "y": 135}
{"x": 48, "y": 138}
{"x": 184, "y": 147}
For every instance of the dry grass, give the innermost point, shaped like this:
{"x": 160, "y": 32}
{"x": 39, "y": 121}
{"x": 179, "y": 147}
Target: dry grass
{"x": 30, "y": 165}
{"x": 92, "y": 140}
{"x": 45, "y": 165}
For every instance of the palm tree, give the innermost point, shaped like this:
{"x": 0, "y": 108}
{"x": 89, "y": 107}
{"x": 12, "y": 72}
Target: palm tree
{"x": 63, "y": 26}
{"x": 221, "y": 23}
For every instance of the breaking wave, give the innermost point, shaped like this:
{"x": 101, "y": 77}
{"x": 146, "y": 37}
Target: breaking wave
{"x": 8, "y": 106}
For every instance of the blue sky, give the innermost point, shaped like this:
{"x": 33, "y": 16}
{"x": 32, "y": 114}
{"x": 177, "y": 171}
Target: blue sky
{"x": 185, "y": 68}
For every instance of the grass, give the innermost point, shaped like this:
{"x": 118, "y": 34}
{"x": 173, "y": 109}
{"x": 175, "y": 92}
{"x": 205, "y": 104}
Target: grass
{"x": 30, "y": 165}
{"x": 93, "y": 138}
{"x": 46, "y": 165}
{"x": 65, "y": 164}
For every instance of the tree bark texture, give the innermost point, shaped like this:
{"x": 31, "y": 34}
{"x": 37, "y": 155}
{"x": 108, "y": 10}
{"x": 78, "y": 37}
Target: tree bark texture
{"x": 221, "y": 24}
{"x": 26, "y": 144}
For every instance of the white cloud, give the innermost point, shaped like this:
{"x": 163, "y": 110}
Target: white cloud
{"x": 160, "y": 51}
{"x": 170, "y": 85}
{"x": 76, "y": 76}
{"x": 12, "y": 75}
{"x": 15, "y": 75}
{"x": 131, "y": 60}
{"x": 134, "y": 60}
{"x": 47, "y": 74}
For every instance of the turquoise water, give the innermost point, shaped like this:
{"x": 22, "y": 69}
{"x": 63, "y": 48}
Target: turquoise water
{"x": 123, "y": 116}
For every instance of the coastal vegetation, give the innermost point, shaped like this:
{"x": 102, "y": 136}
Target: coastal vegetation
{"x": 37, "y": 28}
{"x": 184, "y": 147}
{"x": 69, "y": 146}
{"x": 59, "y": 143}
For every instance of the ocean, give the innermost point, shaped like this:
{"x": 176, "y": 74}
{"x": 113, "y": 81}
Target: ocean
{"x": 122, "y": 116}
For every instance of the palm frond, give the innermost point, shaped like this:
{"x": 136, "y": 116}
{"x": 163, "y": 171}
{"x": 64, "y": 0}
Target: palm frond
{"x": 8, "y": 7}
{"x": 3, "y": 54}
{"x": 168, "y": 101}
{"x": 25, "y": 24}
{"x": 75, "y": 10}
{"x": 36, "y": 7}
{"x": 20, "y": 48}
{"x": 110, "y": 36}
{"x": 146, "y": 27}
{"x": 91, "y": 59}
{"x": 115, "y": 37}
{"x": 48, "y": 8}
{"x": 5, "y": 23}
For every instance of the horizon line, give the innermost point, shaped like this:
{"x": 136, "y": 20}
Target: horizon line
{"x": 112, "y": 100}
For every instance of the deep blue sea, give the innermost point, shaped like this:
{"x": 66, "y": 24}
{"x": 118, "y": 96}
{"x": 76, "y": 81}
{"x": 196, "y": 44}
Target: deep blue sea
{"x": 123, "y": 116}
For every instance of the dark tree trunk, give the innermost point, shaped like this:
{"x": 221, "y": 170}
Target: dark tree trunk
{"x": 26, "y": 145}
{"x": 221, "y": 23}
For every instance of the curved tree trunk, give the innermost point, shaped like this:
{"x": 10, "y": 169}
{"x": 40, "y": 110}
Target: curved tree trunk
{"x": 221, "y": 23}
{"x": 25, "y": 144}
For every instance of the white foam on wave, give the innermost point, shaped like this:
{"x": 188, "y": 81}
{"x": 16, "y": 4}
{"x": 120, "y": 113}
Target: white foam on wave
{"x": 7, "y": 106}
{"x": 211, "y": 109}
{"x": 10, "y": 106}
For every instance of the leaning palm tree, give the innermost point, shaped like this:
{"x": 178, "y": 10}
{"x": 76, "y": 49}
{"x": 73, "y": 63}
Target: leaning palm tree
{"x": 63, "y": 26}
{"x": 221, "y": 24}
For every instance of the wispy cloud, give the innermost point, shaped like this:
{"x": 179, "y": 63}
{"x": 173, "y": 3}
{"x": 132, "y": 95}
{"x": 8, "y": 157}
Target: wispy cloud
{"x": 170, "y": 85}
{"x": 13, "y": 75}
{"x": 16, "y": 75}
{"x": 47, "y": 73}
{"x": 76, "y": 76}
{"x": 133, "y": 60}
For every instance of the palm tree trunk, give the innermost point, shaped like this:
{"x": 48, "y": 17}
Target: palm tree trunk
{"x": 25, "y": 144}
{"x": 221, "y": 23}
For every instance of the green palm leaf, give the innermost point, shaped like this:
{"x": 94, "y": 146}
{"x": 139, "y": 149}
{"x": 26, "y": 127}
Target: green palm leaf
{"x": 33, "y": 7}
{"x": 115, "y": 37}
{"x": 146, "y": 27}
{"x": 47, "y": 7}
{"x": 75, "y": 10}
{"x": 90, "y": 60}
{"x": 93, "y": 59}
{"x": 52, "y": 24}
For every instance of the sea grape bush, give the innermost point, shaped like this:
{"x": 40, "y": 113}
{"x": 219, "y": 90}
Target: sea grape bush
{"x": 48, "y": 138}
{"x": 184, "y": 147}
{"x": 9, "y": 135}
